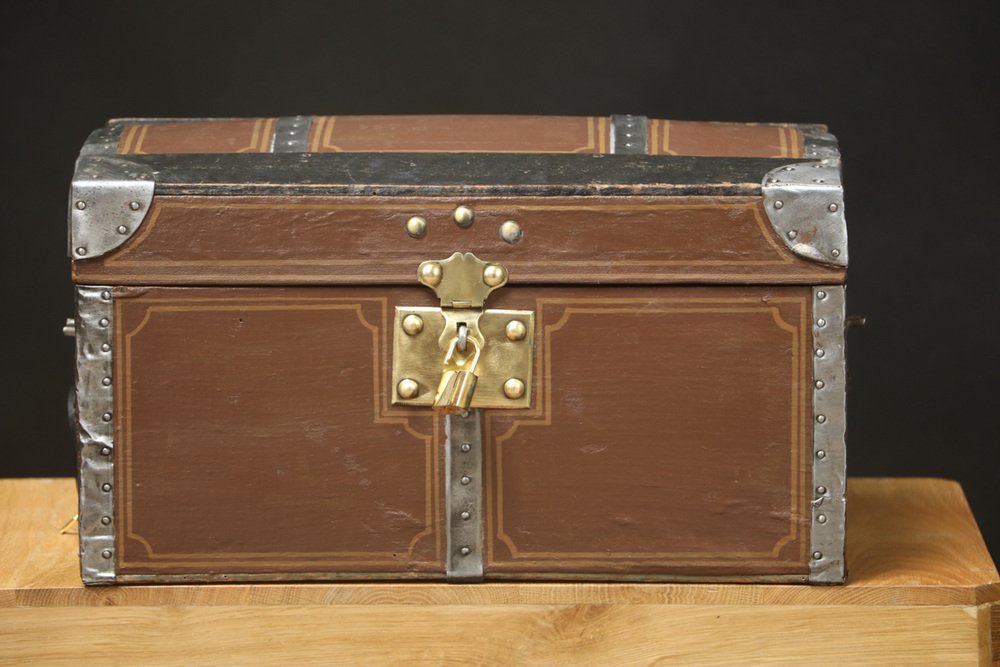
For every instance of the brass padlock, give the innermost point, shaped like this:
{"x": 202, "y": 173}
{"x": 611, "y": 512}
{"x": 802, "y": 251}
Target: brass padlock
{"x": 458, "y": 380}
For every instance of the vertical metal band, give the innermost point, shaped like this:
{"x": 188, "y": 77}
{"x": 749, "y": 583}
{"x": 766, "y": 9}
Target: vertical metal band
{"x": 103, "y": 141}
{"x": 629, "y": 134}
{"x": 464, "y": 496}
{"x": 818, "y": 144}
{"x": 95, "y": 433}
{"x": 826, "y": 559}
{"x": 291, "y": 134}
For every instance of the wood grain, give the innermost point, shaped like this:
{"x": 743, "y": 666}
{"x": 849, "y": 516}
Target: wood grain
{"x": 922, "y": 590}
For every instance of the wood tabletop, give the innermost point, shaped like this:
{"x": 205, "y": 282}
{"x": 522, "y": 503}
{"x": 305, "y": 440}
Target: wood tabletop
{"x": 922, "y": 589}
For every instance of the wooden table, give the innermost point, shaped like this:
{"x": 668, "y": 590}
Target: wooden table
{"x": 922, "y": 590}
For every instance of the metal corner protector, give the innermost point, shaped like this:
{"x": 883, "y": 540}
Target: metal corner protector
{"x": 95, "y": 433}
{"x": 805, "y": 204}
{"x": 827, "y": 562}
{"x": 109, "y": 200}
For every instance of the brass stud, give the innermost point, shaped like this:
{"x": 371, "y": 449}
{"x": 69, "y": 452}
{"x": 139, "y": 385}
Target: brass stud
{"x": 430, "y": 273}
{"x": 513, "y": 388}
{"x": 516, "y": 330}
{"x": 494, "y": 275}
{"x": 407, "y": 388}
{"x": 463, "y": 216}
{"x": 413, "y": 324}
{"x": 416, "y": 227}
{"x": 511, "y": 232}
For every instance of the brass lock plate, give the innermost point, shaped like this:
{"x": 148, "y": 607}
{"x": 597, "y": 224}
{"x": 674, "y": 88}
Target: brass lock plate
{"x": 417, "y": 352}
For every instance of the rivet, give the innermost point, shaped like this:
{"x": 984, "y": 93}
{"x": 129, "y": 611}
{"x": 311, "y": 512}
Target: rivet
{"x": 779, "y": 204}
{"x": 413, "y": 324}
{"x": 835, "y": 252}
{"x": 821, "y": 295}
{"x": 80, "y": 205}
{"x": 513, "y": 388}
{"x": 430, "y": 273}
{"x": 494, "y": 275}
{"x": 821, "y": 454}
{"x": 81, "y": 251}
{"x": 104, "y": 322}
{"x": 105, "y": 451}
{"x": 832, "y": 208}
{"x": 792, "y": 234}
{"x": 820, "y": 384}
{"x": 122, "y": 229}
{"x": 465, "y": 480}
{"x": 105, "y": 347}
{"x": 106, "y": 416}
{"x": 465, "y": 551}
{"x": 818, "y": 180}
{"x": 789, "y": 169}
{"x": 106, "y": 382}
{"x": 106, "y": 295}
{"x": 516, "y": 330}
{"x": 511, "y": 232}
{"x": 106, "y": 520}
{"x": 465, "y": 516}
{"x": 416, "y": 227}
{"x": 466, "y": 447}
{"x": 407, "y": 388}
{"x": 820, "y": 352}
{"x": 817, "y": 555}
{"x": 134, "y": 205}
{"x": 106, "y": 553}
{"x": 821, "y": 419}
{"x": 462, "y": 215}
{"x": 821, "y": 322}
{"x": 773, "y": 180}
{"x": 105, "y": 487}
{"x": 821, "y": 518}
{"x": 821, "y": 490}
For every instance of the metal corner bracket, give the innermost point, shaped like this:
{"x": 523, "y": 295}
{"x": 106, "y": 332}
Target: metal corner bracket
{"x": 826, "y": 553}
{"x": 109, "y": 199}
{"x": 95, "y": 433}
{"x": 805, "y": 203}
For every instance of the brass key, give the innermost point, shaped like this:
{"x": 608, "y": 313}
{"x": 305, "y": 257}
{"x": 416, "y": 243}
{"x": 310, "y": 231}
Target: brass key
{"x": 458, "y": 380}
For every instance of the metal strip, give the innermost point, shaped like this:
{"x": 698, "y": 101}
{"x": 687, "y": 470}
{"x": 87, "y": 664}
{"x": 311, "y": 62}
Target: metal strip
{"x": 818, "y": 144}
{"x": 103, "y": 141}
{"x": 464, "y": 496}
{"x": 291, "y": 134}
{"x": 459, "y": 174}
{"x": 95, "y": 433}
{"x": 826, "y": 560}
{"x": 629, "y": 134}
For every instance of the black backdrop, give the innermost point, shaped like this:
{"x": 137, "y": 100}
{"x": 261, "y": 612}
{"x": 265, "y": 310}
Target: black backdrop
{"x": 909, "y": 88}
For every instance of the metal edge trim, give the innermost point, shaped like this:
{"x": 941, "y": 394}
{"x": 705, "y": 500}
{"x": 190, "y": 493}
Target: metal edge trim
{"x": 291, "y": 134}
{"x": 109, "y": 199}
{"x": 464, "y": 493}
{"x": 827, "y": 562}
{"x": 804, "y": 202}
{"x": 103, "y": 141}
{"x": 818, "y": 143}
{"x": 95, "y": 433}
{"x": 629, "y": 134}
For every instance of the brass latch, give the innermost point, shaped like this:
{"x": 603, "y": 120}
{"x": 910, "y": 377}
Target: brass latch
{"x": 462, "y": 356}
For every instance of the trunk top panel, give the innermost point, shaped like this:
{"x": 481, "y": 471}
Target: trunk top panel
{"x": 363, "y": 199}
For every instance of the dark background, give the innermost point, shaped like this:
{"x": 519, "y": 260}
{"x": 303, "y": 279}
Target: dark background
{"x": 909, "y": 88}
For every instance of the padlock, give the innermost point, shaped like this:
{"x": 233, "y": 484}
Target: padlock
{"x": 458, "y": 381}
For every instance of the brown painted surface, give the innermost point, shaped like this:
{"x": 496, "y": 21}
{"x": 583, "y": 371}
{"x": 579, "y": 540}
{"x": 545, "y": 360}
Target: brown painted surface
{"x": 250, "y": 135}
{"x": 460, "y": 134}
{"x": 667, "y": 436}
{"x": 678, "y": 137}
{"x": 254, "y": 434}
{"x": 464, "y": 134}
{"x": 344, "y": 240}
{"x": 671, "y": 434}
